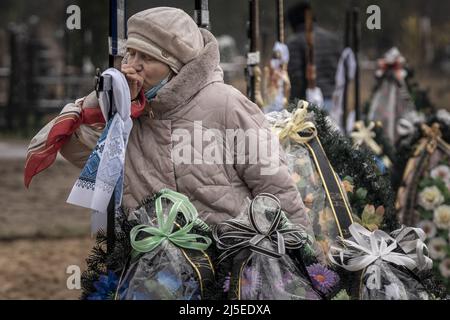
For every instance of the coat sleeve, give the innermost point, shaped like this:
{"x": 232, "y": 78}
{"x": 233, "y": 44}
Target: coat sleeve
{"x": 266, "y": 171}
{"x": 83, "y": 141}
{"x": 78, "y": 149}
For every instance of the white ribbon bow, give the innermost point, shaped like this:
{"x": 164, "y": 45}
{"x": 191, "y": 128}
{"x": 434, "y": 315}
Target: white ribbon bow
{"x": 366, "y": 247}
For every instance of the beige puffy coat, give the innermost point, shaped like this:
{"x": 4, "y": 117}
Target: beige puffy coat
{"x": 218, "y": 191}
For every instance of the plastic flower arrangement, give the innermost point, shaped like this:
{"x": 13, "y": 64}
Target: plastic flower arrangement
{"x": 106, "y": 287}
{"x": 433, "y": 207}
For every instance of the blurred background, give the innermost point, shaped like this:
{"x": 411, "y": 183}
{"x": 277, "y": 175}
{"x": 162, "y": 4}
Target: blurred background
{"x": 43, "y": 66}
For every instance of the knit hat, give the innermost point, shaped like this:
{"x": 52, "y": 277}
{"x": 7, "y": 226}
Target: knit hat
{"x": 169, "y": 35}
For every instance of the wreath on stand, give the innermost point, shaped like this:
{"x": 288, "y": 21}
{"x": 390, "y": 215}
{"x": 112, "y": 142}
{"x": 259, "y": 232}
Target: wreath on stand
{"x": 423, "y": 188}
{"x": 368, "y": 188}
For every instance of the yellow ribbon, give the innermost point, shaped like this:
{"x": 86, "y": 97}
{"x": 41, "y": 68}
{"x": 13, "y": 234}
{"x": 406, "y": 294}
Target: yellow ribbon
{"x": 365, "y": 135}
{"x": 298, "y": 128}
{"x": 431, "y": 140}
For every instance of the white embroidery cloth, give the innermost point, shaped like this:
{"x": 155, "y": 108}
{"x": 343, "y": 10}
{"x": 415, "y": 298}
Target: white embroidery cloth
{"x": 103, "y": 172}
{"x": 336, "y": 112}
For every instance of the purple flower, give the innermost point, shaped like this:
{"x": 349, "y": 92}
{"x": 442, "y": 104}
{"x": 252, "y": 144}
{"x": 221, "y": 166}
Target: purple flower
{"x": 226, "y": 283}
{"x": 249, "y": 282}
{"x": 323, "y": 279}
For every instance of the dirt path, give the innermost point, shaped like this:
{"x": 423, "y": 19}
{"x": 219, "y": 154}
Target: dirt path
{"x": 42, "y": 210}
{"x": 36, "y": 269}
{"x": 40, "y": 235}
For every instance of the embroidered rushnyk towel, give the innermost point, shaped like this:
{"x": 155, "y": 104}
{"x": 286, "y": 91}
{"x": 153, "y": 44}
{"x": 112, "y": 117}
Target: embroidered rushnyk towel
{"x": 103, "y": 172}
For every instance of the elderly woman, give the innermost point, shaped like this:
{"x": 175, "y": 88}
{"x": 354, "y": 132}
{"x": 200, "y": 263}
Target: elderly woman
{"x": 175, "y": 65}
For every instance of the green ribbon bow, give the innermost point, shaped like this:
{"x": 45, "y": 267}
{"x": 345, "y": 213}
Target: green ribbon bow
{"x": 164, "y": 232}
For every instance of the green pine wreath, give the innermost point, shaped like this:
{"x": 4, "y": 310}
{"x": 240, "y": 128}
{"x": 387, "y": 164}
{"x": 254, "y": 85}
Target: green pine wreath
{"x": 371, "y": 187}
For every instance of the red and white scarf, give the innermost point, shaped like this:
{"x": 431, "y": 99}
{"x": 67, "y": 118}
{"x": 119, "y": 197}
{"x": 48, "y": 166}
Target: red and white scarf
{"x": 45, "y": 146}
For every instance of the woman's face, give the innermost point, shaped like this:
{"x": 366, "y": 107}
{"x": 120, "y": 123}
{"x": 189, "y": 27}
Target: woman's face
{"x": 150, "y": 69}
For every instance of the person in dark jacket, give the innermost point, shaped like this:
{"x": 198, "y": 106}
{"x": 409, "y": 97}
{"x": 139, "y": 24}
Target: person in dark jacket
{"x": 327, "y": 50}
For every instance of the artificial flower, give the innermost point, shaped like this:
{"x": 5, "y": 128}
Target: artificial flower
{"x": 444, "y": 268}
{"x": 371, "y": 218}
{"x": 323, "y": 278}
{"x": 348, "y": 186}
{"x": 442, "y": 217}
{"x": 227, "y": 283}
{"x": 249, "y": 282}
{"x": 437, "y": 248}
{"x": 428, "y": 227}
{"x": 325, "y": 217}
{"x": 106, "y": 287}
{"x": 442, "y": 172}
{"x": 430, "y": 198}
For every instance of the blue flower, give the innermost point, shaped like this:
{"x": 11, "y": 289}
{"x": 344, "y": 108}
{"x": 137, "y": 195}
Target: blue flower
{"x": 106, "y": 287}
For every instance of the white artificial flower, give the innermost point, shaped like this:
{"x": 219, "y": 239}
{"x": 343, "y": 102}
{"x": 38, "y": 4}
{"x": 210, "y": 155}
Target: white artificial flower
{"x": 441, "y": 171}
{"x": 428, "y": 227}
{"x": 444, "y": 116}
{"x": 430, "y": 198}
{"x": 437, "y": 248}
{"x": 444, "y": 268}
{"x": 442, "y": 217}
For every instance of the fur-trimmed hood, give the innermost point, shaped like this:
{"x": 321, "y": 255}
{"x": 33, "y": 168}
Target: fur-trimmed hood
{"x": 193, "y": 77}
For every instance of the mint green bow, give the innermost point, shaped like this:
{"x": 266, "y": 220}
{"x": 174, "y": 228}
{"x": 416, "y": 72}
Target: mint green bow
{"x": 181, "y": 238}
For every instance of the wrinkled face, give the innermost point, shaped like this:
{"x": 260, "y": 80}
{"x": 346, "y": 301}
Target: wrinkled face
{"x": 150, "y": 69}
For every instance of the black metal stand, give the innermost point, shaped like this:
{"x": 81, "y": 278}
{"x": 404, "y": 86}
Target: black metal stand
{"x": 356, "y": 38}
{"x": 111, "y": 220}
{"x": 103, "y": 84}
{"x": 201, "y": 14}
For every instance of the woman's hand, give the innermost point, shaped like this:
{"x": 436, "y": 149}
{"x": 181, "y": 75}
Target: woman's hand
{"x": 135, "y": 81}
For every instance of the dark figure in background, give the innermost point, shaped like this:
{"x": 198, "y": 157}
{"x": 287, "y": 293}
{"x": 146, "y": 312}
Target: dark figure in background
{"x": 327, "y": 51}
